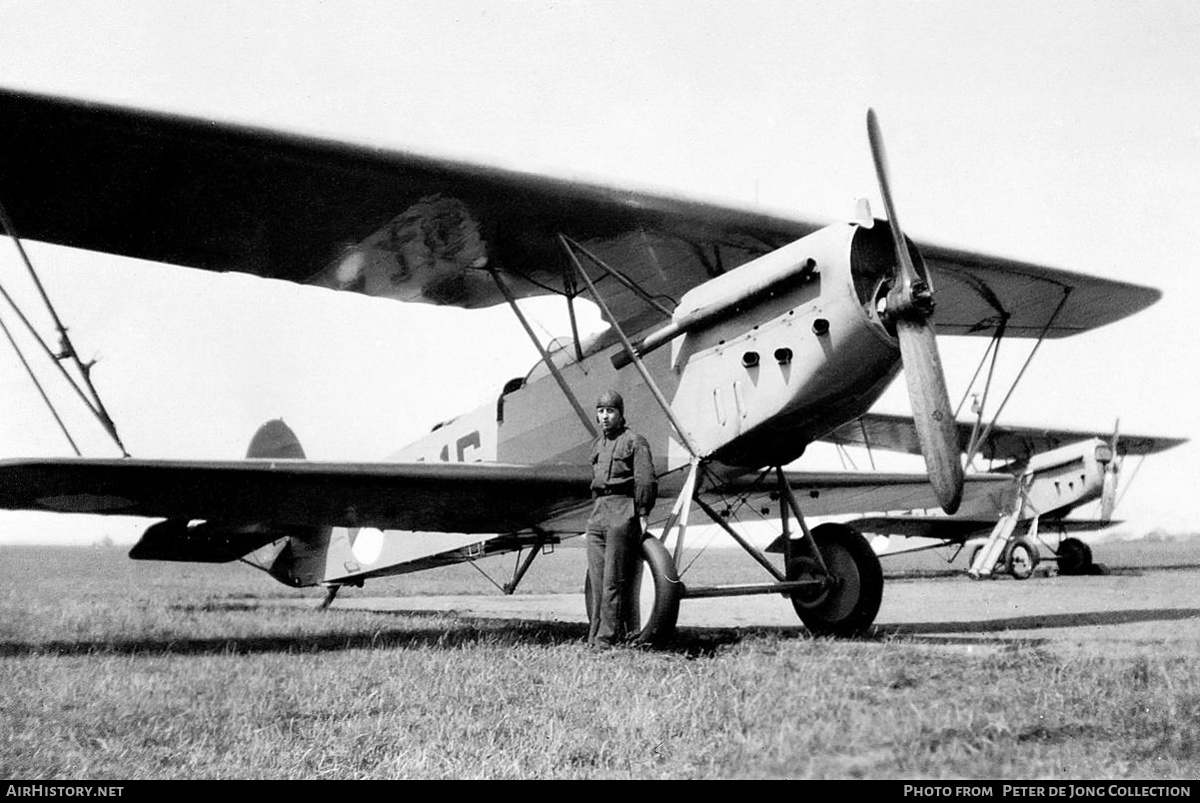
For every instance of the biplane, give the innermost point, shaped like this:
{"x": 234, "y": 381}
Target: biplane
{"x": 1053, "y": 474}
{"x": 737, "y": 339}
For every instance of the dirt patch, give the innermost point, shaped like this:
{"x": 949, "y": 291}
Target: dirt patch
{"x": 1125, "y": 612}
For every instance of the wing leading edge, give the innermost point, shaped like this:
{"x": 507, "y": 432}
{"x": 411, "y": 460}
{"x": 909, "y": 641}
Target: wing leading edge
{"x": 231, "y": 197}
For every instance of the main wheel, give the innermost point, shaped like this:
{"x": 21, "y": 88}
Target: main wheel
{"x": 654, "y": 609}
{"x": 1022, "y": 559}
{"x": 847, "y": 605}
{"x": 1074, "y": 557}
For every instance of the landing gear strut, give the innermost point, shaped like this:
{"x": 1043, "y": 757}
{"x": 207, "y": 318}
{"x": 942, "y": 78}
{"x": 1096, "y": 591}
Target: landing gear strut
{"x": 831, "y": 574}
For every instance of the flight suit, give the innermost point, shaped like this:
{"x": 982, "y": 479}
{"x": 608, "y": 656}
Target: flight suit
{"x": 624, "y": 489}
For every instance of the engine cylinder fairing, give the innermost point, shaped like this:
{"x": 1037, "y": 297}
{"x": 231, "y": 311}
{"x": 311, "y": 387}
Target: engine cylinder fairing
{"x": 873, "y": 268}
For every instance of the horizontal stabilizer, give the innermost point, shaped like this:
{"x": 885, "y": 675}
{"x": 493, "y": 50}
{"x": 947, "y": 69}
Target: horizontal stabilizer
{"x": 201, "y": 542}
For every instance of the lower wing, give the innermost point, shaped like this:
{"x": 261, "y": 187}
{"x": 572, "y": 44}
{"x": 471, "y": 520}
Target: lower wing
{"x": 443, "y": 497}
{"x": 957, "y": 530}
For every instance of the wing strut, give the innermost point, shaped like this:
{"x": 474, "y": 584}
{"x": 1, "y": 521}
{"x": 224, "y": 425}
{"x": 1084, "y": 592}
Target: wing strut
{"x": 41, "y": 391}
{"x": 976, "y": 442}
{"x": 629, "y": 284}
{"x": 570, "y": 290}
{"x": 91, "y": 399}
{"x": 558, "y": 377}
{"x": 867, "y": 442}
{"x": 980, "y": 406}
{"x": 570, "y": 245}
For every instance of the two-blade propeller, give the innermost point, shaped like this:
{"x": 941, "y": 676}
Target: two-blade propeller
{"x": 910, "y": 308}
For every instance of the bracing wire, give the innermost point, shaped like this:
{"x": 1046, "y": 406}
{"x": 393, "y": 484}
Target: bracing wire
{"x": 37, "y": 384}
{"x": 91, "y": 398}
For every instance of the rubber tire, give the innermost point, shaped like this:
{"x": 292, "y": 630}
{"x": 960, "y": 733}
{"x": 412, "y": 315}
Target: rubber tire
{"x": 849, "y": 608}
{"x": 1022, "y": 559}
{"x": 659, "y": 590}
{"x": 1074, "y": 557}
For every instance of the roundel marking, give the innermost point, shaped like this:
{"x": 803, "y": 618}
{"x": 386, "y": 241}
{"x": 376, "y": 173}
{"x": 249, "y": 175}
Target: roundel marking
{"x": 367, "y": 544}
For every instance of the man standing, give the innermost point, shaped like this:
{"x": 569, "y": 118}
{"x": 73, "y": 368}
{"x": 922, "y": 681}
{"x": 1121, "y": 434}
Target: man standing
{"x": 624, "y": 489}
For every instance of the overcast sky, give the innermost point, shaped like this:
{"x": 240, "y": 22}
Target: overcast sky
{"x": 1066, "y": 134}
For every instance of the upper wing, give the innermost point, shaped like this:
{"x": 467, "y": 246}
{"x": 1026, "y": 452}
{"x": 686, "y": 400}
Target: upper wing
{"x": 1010, "y": 442}
{"x": 223, "y": 196}
{"x": 976, "y": 293}
{"x": 445, "y": 497}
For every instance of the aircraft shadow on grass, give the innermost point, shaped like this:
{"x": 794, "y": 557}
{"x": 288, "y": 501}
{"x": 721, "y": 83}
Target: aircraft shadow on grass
{"x": 691, "y": 642}
{"x": 1041, "y": 622}
{"x": 463, "y": 633}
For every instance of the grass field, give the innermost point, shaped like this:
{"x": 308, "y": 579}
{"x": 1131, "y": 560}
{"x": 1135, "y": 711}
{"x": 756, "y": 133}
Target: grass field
{"x": 115, "y": 669}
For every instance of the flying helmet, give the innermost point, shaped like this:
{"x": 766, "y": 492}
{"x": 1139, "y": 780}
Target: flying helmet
{"x": 610, "y": 398}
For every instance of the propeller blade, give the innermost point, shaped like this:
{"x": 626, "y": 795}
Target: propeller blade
{"x": 910, "y": 305}
{"x": 1108, "y": 494}
{"x": 932, "y": 414}
{"x": 908, "y": 273}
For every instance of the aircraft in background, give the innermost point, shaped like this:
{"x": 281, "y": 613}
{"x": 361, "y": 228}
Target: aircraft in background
{"x": 1052, "y": 475}
{"x": 736, "y": 338}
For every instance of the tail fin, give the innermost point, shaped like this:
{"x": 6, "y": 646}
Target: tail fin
{"x": 275, "y": 440}
{"x": 292, "y": 555}
{"x": 296, "y": 556}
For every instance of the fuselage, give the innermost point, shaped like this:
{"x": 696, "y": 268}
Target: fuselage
{"x": 756, "y": 383}
{"x": 763, "y": 360}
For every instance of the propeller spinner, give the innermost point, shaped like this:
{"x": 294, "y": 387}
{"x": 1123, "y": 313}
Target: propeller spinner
{"x": 910, "y": 307}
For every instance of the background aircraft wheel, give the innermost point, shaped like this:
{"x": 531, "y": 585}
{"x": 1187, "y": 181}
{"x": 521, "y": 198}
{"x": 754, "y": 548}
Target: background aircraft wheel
{"x": 847, "y": 606}
{"x": 1023, "y": 558}
{"x": 1074, "y": 557}
{"x": 654, "y": 609}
